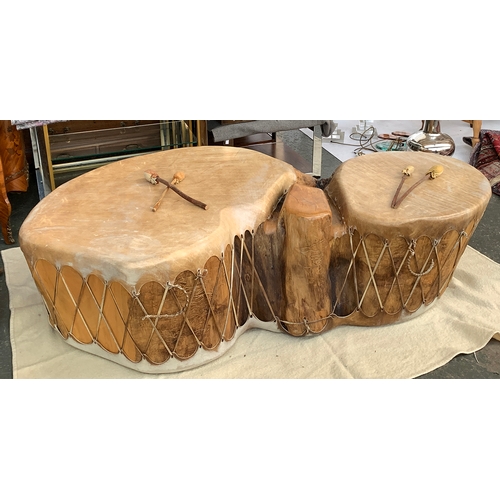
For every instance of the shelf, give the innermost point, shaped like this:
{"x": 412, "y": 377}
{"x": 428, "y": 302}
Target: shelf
{"x": 77, "y": 145}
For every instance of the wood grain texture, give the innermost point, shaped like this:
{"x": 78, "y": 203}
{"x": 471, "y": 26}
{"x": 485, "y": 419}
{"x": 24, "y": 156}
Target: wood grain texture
{"x": 307, "y": 291}
{"x": 269, "y": 268}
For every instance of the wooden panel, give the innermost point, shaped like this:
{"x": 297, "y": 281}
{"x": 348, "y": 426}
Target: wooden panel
{"x": 72, "y": 126}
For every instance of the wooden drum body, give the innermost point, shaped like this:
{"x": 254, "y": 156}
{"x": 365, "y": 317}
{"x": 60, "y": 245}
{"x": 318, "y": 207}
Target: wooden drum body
{"x": 393, "y": 261}
{"x": 169, "y": 290}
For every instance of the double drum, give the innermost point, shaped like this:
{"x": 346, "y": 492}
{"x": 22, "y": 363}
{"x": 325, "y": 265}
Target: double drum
{"x": 169, "y": 290}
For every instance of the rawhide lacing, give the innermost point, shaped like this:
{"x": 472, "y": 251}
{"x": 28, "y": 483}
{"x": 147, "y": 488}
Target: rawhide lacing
{"x": 169, "y": 287}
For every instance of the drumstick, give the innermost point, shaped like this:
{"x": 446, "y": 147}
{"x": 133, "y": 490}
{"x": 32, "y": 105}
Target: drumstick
{"x": 434, "y": 172}
{"x": 178, "y": 177}
{"x": 154, "y": 178}
{"x": 406, "y": 173}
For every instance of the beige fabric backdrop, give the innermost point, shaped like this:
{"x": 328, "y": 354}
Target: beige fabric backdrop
{"x": 463, "y": 320}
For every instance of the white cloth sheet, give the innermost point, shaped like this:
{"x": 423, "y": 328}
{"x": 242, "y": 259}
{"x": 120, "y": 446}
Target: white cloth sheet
{"x": 463, "y": 320}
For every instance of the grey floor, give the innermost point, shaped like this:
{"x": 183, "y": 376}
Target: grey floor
{"x": 484, "y": 364}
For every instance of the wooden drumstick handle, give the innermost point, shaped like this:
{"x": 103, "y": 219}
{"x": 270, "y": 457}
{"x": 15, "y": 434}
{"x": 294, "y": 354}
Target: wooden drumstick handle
{"x": 434, "y": 172}
{"x": 154, "y": 178}
{"x": 178, "y": 177}
{"x": 406, "y": 173}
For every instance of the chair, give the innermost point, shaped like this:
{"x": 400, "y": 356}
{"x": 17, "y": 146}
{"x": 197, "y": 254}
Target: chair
{"x": 227, "y": 132}
{"x": 476, "y": 128}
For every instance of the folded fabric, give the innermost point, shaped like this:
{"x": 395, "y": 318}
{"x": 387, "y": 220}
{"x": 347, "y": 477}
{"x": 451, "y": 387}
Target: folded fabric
{"x": 486, "y": 157}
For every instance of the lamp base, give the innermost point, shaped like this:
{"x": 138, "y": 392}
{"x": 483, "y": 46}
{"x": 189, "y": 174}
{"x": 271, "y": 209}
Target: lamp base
{"x": 431, "y": 140}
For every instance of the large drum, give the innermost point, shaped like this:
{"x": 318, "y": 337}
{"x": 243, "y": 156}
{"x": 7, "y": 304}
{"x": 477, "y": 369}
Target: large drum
{"x": 166, "y": 290}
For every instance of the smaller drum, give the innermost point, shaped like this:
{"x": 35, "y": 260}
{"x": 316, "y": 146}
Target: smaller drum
{"x": 393, "y": 261}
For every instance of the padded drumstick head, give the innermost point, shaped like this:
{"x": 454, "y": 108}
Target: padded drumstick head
{"x": 178, "y": 177}
{"x": 151, "y": 176}
{"x": 435, "y": 171}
